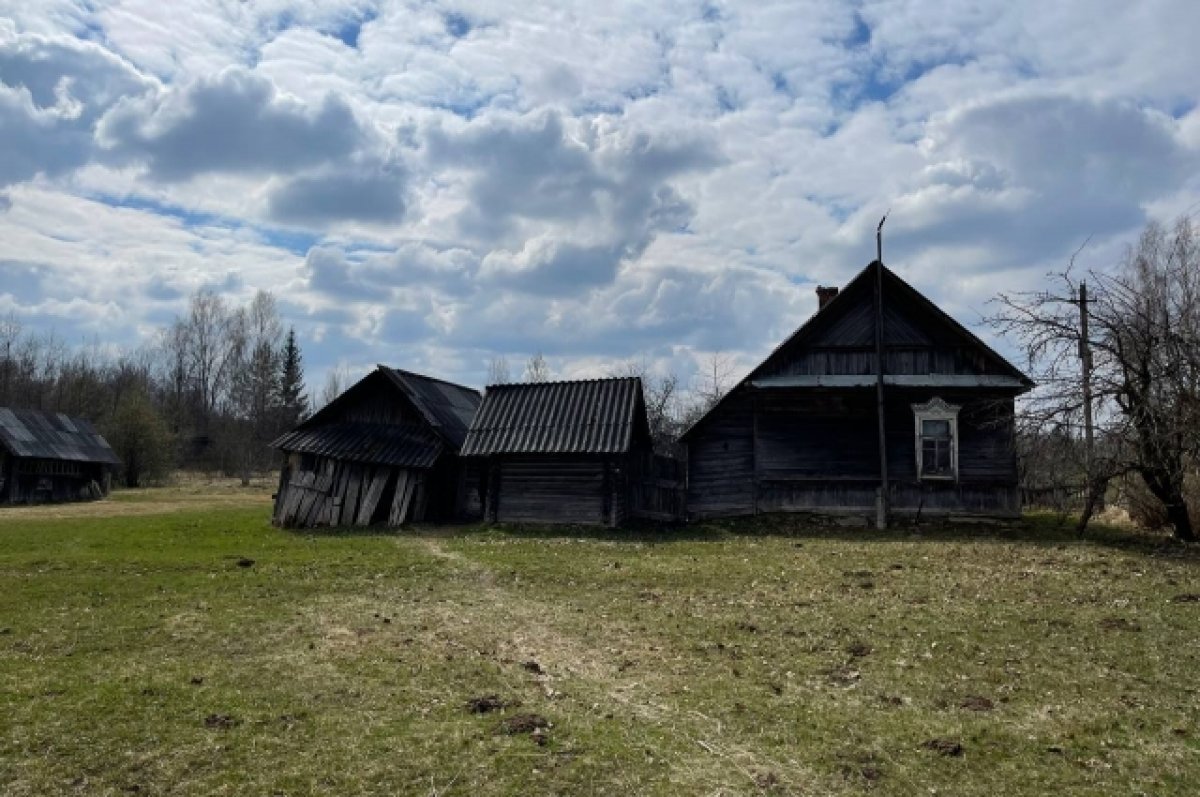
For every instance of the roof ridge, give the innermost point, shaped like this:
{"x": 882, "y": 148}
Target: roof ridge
{"x": 427, "y": 377}
{"x": 566, "y": 381}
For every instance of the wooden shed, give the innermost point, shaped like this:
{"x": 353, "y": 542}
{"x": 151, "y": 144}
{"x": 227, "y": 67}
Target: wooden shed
{"x": 879, "y": 404}
{"x": 561, "y": 452}
{"x": 386, "y": 451}
{"x": 48, "y": 456}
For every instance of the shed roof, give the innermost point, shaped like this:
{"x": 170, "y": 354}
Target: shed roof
{"x": 399, "y": 445}
{"x": 52, "y": 435}
{"x": 595, "y": 416}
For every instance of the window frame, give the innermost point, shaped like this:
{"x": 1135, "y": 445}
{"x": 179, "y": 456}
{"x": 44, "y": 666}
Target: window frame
{"x": 936, "y": 409}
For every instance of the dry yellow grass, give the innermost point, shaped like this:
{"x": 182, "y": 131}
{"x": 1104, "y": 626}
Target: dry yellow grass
{"x": 197, "y": 650}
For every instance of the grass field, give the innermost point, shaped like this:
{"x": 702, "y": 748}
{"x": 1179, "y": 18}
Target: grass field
{"x": 172, "y": 642}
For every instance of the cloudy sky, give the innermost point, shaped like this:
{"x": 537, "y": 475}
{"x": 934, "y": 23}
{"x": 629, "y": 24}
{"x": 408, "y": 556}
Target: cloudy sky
{"x": 431, "y": 183}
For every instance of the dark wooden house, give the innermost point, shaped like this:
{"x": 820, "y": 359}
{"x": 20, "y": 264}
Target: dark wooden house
{"x": 561, "y": 452}
{"x": 47, "y": 456}
{"x": 879, "y": 404}
{"x": 386, "y": 451}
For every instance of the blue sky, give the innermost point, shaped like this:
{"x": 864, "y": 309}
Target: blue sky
{"x": 431, "y": 184}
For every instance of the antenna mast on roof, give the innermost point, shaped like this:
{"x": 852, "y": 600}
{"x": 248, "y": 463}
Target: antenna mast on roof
{"x": 879, "y": 237}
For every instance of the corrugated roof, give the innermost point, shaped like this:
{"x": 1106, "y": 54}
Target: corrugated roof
{"x": 400, "y": 445}
{"x": 596, "y": 416}
{"x": 52, "y": 435}
{"x": 448, "y": 407}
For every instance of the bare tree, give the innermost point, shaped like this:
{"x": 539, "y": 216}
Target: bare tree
{"x": 1144, "y": 322}
{"x": 216, "y": 338}
{"x": 714, "y": 379}
{"x": 663, "y": 407}
{"x": 498, "y": 372}
{"x": 10, "y": 337}
{"x": 536, "y": 370}
{"x": 255, "y": 382}
{"x": 337, "y": 379}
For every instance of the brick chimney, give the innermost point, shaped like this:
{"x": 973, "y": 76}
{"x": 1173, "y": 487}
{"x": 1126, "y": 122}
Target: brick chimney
{"x": 825, "y": 296}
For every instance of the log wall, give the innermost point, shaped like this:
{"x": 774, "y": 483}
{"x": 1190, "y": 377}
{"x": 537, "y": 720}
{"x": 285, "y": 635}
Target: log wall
{"x": 594, "y": 490}
{"x": 818, "y": 450}
{"x": 721, "y": 462}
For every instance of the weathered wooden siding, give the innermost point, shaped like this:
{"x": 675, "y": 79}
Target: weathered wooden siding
{"x": 552, "y": 489}
{"x": 805, "y": 450}
{"x": 898, "y": 360}
{"x": 372, "y": 406}
{"x": 36, "y": 480}
{"x": 720, "y": 459}
{"x": 657, "y": 487}
{"x": 328, "y": 492}
{"x": 914, "y": 344}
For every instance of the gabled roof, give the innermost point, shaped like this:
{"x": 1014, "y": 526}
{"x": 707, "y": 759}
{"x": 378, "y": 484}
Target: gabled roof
{"x": 596, "y": 416}
{"x": 52, "y": 435}
{"x": 893, "y": 287}
{"x": 447, "y": 408}
{"x": 399, "y": 445}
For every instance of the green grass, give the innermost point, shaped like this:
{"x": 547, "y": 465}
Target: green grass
{"x": 137, "y": 656}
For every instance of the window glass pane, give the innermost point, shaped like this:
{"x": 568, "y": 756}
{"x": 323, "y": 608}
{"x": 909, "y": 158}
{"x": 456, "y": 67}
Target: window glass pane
{"x": 935, "y": 456}
{"x": 943, "y": 456}
{"x": 928, "y": 458}
{"x": 935, "y": 429}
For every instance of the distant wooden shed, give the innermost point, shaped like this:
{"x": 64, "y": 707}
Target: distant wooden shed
{"x": 386, "y": 451}
{"x": 48, "y": 456}
{"x": 561, "y": 452}
{"x": 879, "y": 404}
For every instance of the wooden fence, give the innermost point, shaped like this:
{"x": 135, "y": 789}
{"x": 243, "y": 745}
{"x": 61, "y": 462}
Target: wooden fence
{"x": 658, "y": 488}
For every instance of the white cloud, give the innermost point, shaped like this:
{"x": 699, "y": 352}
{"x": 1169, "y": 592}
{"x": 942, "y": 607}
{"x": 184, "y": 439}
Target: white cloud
{"x": 429, "y": 182}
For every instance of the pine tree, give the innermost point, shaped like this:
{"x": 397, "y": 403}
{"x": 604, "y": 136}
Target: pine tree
{"x": 293, "y": 401}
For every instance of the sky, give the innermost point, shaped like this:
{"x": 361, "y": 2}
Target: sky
{"x": 432, "y": 184}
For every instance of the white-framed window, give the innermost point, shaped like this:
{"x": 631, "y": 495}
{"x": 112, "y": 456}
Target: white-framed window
{"x": 936, "y": 439}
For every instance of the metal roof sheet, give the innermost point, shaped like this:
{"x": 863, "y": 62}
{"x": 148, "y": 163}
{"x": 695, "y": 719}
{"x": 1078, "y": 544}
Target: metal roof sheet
{"x": 595, "y": 416}
{"x": 401, "y": 445}
{"x": 46, "y": 435}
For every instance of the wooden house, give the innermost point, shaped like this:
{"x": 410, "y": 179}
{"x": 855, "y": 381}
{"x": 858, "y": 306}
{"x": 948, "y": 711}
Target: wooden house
{"x": 48, "y": 456}
{"x": 879, "y": 404}
{"x": 385, "y": 451}
{"x": 561, "y": 452}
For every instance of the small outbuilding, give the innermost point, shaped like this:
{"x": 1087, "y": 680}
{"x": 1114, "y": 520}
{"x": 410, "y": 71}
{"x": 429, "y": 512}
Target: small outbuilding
{"x": 880, "y": 404}
{"x": 48, "y": 456}
{"x": 386, "y": 451}
{"x": 562, "y": 452}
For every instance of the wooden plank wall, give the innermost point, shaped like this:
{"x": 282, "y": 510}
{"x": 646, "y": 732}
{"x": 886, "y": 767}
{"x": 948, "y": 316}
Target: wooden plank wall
{"x": 915, "y": 342}
{"x": 552, "y": 489}
{"x": 657, "y": 487}
{"x": 336, "y": 493}
{"x": 720, "y": 476}
{"x": 37, "y": 481}
{"x": 806, "y": 450}
{"x": 378, "y": 405}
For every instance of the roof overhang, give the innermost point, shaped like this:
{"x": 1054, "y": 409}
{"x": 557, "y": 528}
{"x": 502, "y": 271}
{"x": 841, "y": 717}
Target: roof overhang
{"x": 998, "y": 381}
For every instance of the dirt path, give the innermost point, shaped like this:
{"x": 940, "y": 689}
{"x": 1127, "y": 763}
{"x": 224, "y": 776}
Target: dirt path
{"x": 577, "y": 671}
